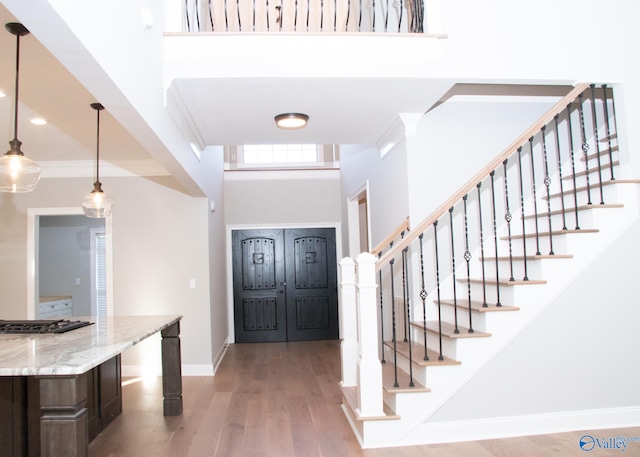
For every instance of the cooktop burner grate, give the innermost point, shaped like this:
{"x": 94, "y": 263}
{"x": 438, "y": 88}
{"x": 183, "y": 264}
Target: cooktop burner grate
{"x": 40, "y": 326}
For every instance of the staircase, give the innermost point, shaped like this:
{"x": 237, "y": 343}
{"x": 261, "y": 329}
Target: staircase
{"x": 448, "y": 296}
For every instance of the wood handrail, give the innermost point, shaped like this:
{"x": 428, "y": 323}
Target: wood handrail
{"x": 483, "y": 173}
{"x": 404, "y": 226}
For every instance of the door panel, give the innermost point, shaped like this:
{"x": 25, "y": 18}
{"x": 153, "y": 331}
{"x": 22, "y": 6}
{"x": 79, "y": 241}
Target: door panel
{"x": 285, "y": 285}
{"x": 258, "y": 286}
{"x": 312, "y": 298}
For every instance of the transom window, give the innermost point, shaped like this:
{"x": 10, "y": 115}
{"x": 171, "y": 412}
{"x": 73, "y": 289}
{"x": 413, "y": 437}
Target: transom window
{"x": 273, "y": 155}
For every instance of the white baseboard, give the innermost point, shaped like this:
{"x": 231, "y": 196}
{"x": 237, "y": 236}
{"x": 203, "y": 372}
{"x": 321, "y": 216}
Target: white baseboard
{"x": 508, "y": 427}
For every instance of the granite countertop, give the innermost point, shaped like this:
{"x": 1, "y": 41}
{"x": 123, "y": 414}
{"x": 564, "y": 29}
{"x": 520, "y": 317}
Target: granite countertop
{"x": 79, "y": 350}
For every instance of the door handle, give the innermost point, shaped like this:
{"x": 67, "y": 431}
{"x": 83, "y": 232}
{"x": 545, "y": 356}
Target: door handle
{"x": 282, "y": 284}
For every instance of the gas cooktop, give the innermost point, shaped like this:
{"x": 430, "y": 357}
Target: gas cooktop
{"x": 40, "y": 326}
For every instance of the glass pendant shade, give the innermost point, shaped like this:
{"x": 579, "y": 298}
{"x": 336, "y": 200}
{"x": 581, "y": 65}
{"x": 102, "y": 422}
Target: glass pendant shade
{"x": 17, "y": 173}
{"x": 97, "y": 204}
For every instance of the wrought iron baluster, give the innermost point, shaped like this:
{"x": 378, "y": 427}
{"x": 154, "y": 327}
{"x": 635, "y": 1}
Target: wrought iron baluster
{"x": 393, "y": 327}
{"x": 198, "y": 16}
{"x": 226, "y": 16}
{"x": 386, "y": 16}
{"x": 423, "y": 297}
{"x": 585, "y": 145}
{"x": 408, "y": 303}
{"x": 453, "y": 273}
{"x": 335, "y": 15}
{"x": 614, "y": 117}
{"x": 400, "y": 9}
{"x": 524, "y": 232}
{"x": 467, "y": 258}
{"x": 267, "y": 15}
{"x": 238, "y": 11}
{"x": 373, "y": 11}
{"x": 573, "y": 165}
{"x": 508, "y": 217}
{"x": 187, "y": 15}
{"x": 381, "y": 314}
{"x": 596, "y": 139}
{"x": 495, "y": 236}
{"x": 484, "y": 280}
{"x": 210, "y": 16}
{"x": 535, "y": 197}
{"x": 360, "y": 15}
{"x": 547, "y": 183}
{"x": 558, "y": 154}
{"x": 254, "y": 17}
{"x": 321, "y": 15}
{"x": 606, "y": 122}
{"x": 435, "y": 245}
{"x": 346, "y": 23}
{"x": 308, "y": 9}
{"x": 295, "y": 17}
{"x": 405, "y": 297}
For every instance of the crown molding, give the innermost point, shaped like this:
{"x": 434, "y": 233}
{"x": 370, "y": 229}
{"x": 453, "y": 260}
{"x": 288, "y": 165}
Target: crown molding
{"x": 405, "y": 124}
{"x": 86, "y": 168}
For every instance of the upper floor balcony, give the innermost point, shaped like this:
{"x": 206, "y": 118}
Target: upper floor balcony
{"x": 306, "y": 16}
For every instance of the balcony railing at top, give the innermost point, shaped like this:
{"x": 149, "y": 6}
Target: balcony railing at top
{"x": 312, "y": 16}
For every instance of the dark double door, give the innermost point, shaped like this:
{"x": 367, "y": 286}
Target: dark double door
{"x": 285, "y": 285}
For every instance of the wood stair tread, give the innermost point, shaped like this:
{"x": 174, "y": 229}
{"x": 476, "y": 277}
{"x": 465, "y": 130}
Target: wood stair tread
{"x": 573, "y": 209}
{"x": 350, "y": 400}
{"x": 448, "y": 330}
{"x": 602, "y": 153}
{"x": 477, "y": 306}
{"x": 505, "y": 282}
{"x": 530, "y": 257}
{"x": 554, "y": 233}
{"x": 417, "y": 351}
{"x": 583, "y": 188}
{"x": 592, "y": 170}
{"x": 389, "y": 378}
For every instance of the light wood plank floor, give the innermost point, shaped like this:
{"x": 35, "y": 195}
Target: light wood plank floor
{"x": 282, "y": 399}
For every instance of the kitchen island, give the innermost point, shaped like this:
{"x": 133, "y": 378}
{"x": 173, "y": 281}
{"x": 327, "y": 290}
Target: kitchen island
{"x": 63, "y": 372}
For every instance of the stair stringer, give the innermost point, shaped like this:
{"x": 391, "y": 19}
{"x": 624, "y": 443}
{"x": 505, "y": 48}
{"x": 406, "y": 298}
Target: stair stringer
{"x": 476, "y": 353}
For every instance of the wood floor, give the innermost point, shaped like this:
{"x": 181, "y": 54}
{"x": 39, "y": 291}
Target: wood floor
{"x": 282, "y": 399}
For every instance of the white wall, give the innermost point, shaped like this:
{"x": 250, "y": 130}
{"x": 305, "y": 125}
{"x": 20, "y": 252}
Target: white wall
{"x": 387, "y": 176}
{"x": 272, "y": 198}
{"x": 160, "y": 242}
{"x": 578, "y": 355}
{"x": 456, "y": 139}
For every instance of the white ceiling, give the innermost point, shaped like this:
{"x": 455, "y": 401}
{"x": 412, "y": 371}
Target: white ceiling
{"x": 223, "y": 111}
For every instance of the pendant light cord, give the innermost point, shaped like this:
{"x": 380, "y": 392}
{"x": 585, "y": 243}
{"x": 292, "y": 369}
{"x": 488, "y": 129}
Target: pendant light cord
{"x": 15, "y": 126}
{"x": 98, "y": 148}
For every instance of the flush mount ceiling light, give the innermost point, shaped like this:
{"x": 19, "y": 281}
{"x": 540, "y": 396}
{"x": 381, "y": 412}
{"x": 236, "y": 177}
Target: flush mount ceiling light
{"x": 17, "y": 173}
{"x": 97, "y": 204}
{"x": 291, "y": 121}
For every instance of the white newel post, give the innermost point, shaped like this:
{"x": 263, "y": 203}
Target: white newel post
{"x": 348, "y": 322}
{"x": 370, "y": 401}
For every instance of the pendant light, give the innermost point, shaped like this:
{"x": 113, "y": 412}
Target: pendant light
{"x": 17, "y": 173}
{"x": 97, "y": 204}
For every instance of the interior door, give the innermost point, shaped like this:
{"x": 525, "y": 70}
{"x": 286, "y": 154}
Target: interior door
{"x": 285, "y": 285}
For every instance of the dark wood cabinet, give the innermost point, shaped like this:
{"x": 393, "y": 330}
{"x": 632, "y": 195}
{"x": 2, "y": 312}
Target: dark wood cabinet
{"x": 20, "y": 408}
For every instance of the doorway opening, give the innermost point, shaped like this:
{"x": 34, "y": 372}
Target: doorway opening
{"x": 359, "y": 221}
{"x": 70, "y": 259}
